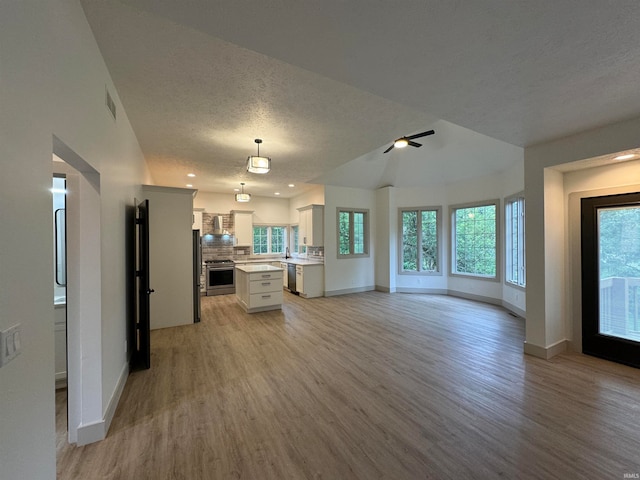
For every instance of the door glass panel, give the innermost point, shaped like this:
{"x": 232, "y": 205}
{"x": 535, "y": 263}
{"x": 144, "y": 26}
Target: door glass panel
{"x": 619, "y": 272}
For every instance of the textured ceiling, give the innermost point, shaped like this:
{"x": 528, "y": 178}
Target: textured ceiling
{"x": 328, "y": 85}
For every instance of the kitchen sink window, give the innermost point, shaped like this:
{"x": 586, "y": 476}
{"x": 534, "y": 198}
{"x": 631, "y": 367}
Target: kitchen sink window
{"x": 269, "y": 239}
{"x": 353, "y": 233}
{"x": 420, "y": 232}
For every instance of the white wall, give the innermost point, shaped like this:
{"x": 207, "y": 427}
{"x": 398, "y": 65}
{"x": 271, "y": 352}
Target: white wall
{"x": 266, "y": 210}
{"x": 314, "y": 196}
{"x": 53, "y": 82}
{"x": 352, "y": 274}
{"x": 171, "y": 255}
{"x": 547, "y": 235}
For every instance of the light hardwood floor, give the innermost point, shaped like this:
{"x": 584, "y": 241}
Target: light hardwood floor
{"x": 364, "y": 386}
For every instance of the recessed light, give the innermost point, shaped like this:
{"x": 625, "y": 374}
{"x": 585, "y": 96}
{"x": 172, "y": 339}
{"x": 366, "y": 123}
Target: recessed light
{"x": 191, "y": 174}
{"x": 291, "y": 185}
{"x": 277, "y": 193}
{"x": 624, "y": 157}
{"x": 236, "y": 189}
{"x": 189, "y": 185}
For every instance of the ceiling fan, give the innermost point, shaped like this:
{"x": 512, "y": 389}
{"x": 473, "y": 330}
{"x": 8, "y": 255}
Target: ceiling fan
{"x": 404, "y": 141}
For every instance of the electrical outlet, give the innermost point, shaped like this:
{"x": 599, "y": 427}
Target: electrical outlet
{"x": 10, "y": 344}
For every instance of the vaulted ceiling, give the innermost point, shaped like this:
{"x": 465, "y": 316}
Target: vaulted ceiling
{"x": 328, "y": 85}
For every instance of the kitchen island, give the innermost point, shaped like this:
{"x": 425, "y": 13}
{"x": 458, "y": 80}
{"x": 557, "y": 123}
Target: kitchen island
{"x": 259, "y": 287}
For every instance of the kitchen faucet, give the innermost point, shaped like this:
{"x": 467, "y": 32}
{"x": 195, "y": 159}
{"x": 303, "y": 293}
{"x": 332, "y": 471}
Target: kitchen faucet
{"x": 286, "y": 253}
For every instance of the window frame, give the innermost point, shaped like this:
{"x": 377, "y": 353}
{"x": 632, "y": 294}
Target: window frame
{"x": 452, "y": 240}
{"x": 269, "y": 235}
{"x": 294, "y": 238}
{"x": 439, "y": 257}
{"x": 508, "y": 201}
{"x": 366, "y": 227}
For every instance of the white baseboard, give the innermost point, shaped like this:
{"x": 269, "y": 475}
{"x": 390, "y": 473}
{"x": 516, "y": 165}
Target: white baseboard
{"x": 94, "y": 432}
{"x": 383, "y": 289}
{"x": 514, "y": 309}
{"x": 115, "y": 397}
{"x": 545, "y": 352}
{"x": 477, "y": 298}
{"x": 346, "y": 291}
{"x": 430, "y": 291}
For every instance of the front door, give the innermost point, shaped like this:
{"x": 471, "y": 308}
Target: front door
{"x": 611, "y": 277}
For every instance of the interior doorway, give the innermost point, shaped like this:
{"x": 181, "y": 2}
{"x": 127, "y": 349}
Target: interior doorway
{"x": 83, "y": 294}
{"x": 59, "y": 193}
{"x": 610, "y": 235}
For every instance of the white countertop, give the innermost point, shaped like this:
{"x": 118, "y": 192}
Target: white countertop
{"x": 258, "y": 268}
{"x": 295, "y": 261}
{"x": 302, "y": 261}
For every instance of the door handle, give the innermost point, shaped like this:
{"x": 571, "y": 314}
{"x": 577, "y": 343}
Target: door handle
{"x": 150, "y": 291}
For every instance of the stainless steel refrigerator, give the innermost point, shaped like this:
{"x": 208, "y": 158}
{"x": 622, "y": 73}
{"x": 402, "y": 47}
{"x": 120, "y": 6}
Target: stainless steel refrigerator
{"x": 197, "y": 270}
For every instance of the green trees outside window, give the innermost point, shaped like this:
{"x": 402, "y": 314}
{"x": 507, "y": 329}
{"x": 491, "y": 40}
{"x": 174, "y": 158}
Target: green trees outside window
{"x": 420, "y": 240}
{"x": 475, "y": 240}
{"x": 619, "y": 237}
{"x": 269, "y": 239}
{"x": 353, "y": 234}
{"x": 514, "y": 248}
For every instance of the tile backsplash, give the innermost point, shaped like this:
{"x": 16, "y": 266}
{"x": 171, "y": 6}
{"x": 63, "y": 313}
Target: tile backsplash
{"x": 218, "y": 246}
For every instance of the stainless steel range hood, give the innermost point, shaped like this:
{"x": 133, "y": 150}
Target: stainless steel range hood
{"x": 217, "y": 225}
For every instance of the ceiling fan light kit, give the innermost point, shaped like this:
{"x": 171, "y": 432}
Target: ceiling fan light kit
{"x": 408, "y": 140}
{"x": 243, "y": 197}
{"x": 258, "y": 164}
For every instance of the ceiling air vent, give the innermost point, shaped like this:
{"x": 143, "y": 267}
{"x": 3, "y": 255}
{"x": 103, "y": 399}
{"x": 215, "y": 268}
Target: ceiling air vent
{"x": 110, "y": 103}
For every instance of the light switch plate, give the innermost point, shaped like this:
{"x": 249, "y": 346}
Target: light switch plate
{"x": 10, "y": 344}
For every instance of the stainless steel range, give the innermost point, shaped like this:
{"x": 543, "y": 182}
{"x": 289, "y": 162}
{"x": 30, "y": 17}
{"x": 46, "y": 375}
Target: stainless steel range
{"x": 221, "y": 277}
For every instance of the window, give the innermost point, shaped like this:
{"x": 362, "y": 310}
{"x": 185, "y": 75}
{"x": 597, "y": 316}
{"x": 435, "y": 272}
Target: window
{"x": 514, "y": 247}
{"x": 268, "y": 239}
{"x": 294, "y": 240}
{"x": 420, "y": 250}
{"x": 474, "y": 240}
{"x": 353, "y": 232}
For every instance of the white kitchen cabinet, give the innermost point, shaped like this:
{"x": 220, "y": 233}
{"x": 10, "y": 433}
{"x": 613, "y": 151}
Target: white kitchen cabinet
{"x": 197, "y": 220}
{"x": 243, "y": 227}
{"x": 285, "y": 274}
{"x": 310, "y": 280}
{"x": 259, "y": 287}
{"x": 311, "y": 226}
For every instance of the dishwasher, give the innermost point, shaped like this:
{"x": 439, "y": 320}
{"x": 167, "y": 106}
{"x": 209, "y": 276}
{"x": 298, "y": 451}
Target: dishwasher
{"x": 291, "y": 273}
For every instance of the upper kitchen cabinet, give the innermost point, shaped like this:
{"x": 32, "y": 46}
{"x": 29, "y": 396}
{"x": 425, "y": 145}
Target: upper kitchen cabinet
{"x": 311, "y": 226}
{"x": 197, "y": 219}
{"x": 243, "y": 226}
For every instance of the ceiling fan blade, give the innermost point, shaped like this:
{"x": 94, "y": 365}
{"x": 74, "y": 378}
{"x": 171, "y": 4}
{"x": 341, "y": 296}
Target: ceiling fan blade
{"x": 423, "y": 134}
{"x": 388, "y": 149}
{"x": 414, "y": 144}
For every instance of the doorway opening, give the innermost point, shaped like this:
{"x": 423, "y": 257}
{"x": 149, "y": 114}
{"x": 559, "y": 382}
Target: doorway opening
{"x": 59, "y": 194}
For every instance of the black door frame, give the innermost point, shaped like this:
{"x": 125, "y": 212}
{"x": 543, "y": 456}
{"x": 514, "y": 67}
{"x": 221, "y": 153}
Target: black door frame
{"x": 593, "y": 342}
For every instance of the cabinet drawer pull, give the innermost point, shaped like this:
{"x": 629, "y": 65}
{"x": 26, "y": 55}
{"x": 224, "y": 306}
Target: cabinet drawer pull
{"x": 266, "y": 283}
{"x": 266, "y": 296}
{"x": 266, "y": 276}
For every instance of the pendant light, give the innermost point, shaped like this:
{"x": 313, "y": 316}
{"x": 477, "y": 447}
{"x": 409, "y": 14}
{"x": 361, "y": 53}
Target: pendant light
{"x": 258, "y": 164}
{"x": 243, "y": 197}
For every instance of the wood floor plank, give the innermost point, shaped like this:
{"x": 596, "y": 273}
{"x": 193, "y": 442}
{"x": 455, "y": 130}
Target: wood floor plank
{"x": 364, "y": 386}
